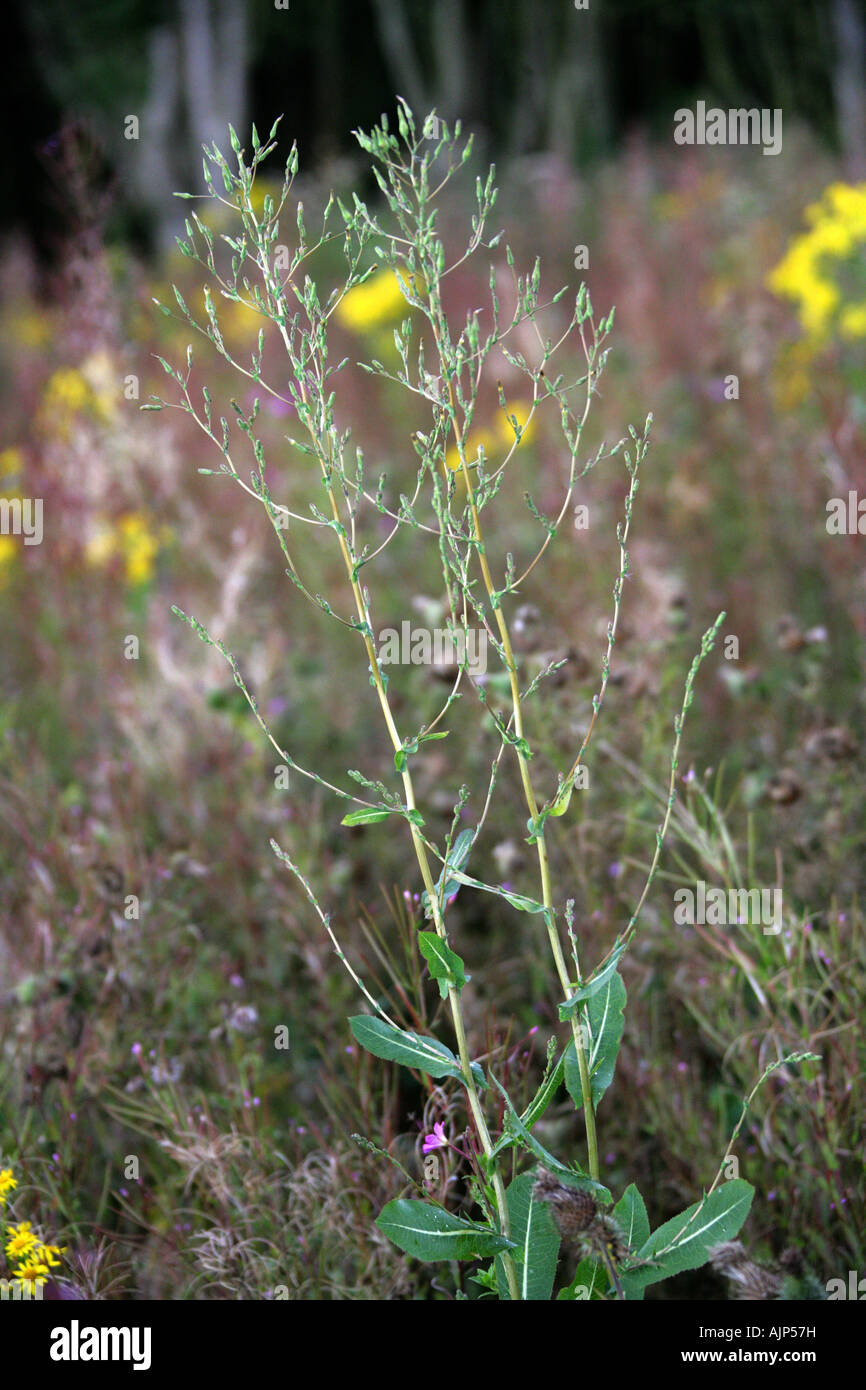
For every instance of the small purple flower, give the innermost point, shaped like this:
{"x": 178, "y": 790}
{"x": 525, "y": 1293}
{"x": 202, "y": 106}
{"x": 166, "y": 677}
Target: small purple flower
{"x": 136, "y": 1049}
{"x": 614, "y": 869}
{"x": 436, "y": 1140}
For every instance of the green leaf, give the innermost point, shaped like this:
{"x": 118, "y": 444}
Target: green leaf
{"x": 536, "y": 1242}
{"x": 592, "y": 985}
{"x": 366, "y": 816}
{"x": 630, "y": 1215}
{"x": 516, "y": 899}
{"x": 563, "y": 797}
{"x": 446, "y": 968}
{"x": 544, "y": 1095}
{"x": 603, "y": 1023}
{"x": 589, "y": 1282}
{"x": 455, "y": 860}
{"x": 409, "y": 1049}
{"x": 431, "y": 1233}
{"x": 516, "y": 1132}
{"x": 686, "y": 1241}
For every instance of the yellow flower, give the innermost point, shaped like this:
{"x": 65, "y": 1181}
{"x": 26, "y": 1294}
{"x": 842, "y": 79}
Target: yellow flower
{"x": 380, "y": 300}
{"x": 47, "y": 1254}
{"x": 21, "y": 1241}
{"x": 32, "y": 1274}
{"x": 8, "y": 552}
{"x": 132, "y": 539}
{"x": 501, "y": 438}
{"x": 139, "y": 547}
{"x": 241, "y": 322}
{"x": 67, "y": 391}
{"x": 7, "y": 1178}
{"x": 259, "y": 191}
{"x": 852, "y": 321}
{"x": 478, "y": 439}
{"x": 521, "y": 411}
{"x": 806, "y": 272}
{"x": 11, "y": 462}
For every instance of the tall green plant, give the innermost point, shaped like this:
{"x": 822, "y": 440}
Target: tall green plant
{"x": 442, "y": 364}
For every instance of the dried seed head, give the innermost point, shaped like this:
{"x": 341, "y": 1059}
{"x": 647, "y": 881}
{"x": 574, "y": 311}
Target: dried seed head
{"x": 574, "y": 1210}
{"x": 749, "y": 1281}
{"x": 580, "y": 1219}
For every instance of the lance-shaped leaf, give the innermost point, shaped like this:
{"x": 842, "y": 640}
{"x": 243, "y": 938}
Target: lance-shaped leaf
{"x": 431, "y": 1233}
{"x": 409, "y": 1049}
{"x": 455, "y": 860}
{"x": 545, "y": 1094}
{"x": 446, "y": 967}
{"x": 563, "y": 797}
{"x": 631, "y": 1217}
{"x": 592, "y": 985}
{"x": 516, "y": 899}
{"x": 685, "y": 1242}
{"x": 517, "y": 1133}
{"x": 368, "y": 815}
{"x": 603, "y": 1023}
{"x": 536, "y": 1242}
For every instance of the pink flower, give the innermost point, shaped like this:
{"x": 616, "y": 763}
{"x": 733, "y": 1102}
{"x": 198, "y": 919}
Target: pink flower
{"x": 436, "y": 1140}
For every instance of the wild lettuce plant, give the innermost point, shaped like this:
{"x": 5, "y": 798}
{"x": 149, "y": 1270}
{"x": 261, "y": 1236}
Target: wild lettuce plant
{"x": 526, "y": 1199}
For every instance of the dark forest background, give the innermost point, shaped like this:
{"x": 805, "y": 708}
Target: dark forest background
{"x": 525, "y": 75}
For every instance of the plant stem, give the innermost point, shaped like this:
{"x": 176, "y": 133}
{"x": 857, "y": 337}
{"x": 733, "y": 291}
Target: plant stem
{"x": 529, "y": 794}
{"x": 424, "y": 864}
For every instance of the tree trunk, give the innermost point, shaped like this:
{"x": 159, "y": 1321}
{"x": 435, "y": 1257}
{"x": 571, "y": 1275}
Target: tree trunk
{"x": 848, "y": 82}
